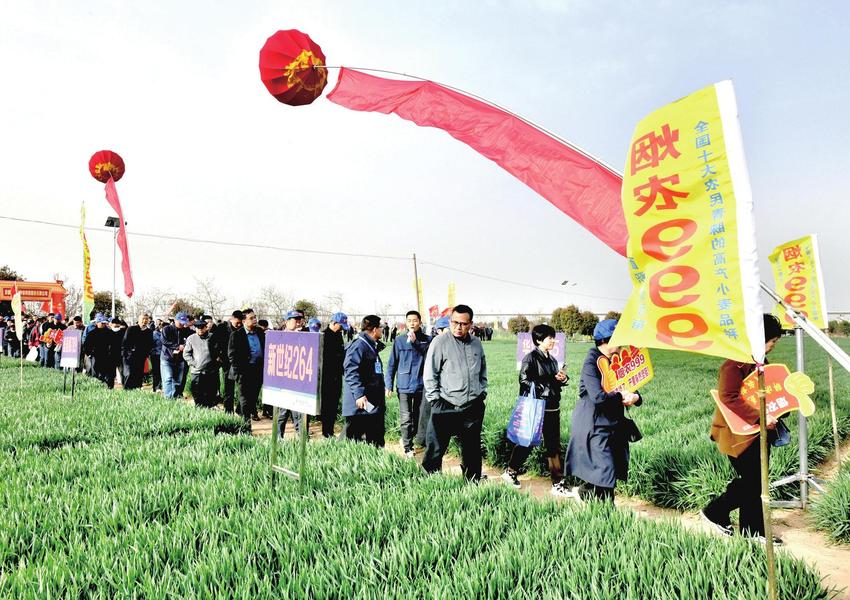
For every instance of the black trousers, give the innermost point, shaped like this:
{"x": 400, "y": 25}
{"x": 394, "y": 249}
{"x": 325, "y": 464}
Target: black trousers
{"x": 156, "y": 374}
{"x": 408, "y": 413}
{"x": 743, "y": 492}
{"x": 424, "y": 419}
{"x": 551, "y": 444}
{"x": 588, "y": 491}
{"x": 204, "y": 388}
{"x": 330, "y": 405}
{"x": 367, "y": 428}
{"x": 448, "y": 420}
{"x": 229, "y": 390}
{"x": 134, "y": 372}
{"x": 250, "y": 382}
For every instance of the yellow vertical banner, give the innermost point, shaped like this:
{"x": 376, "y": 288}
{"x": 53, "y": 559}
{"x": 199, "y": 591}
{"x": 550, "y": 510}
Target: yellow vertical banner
{"x": 799, "y": 281}
{"x": 88, "y": 290}
{"x": 419, "y": 297}
{"x": 452, "y": 299}
{"x": 688, "y": 207}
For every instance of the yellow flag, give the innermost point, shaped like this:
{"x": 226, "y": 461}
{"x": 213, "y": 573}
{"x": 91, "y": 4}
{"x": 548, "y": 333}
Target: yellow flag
{"x": 799, "y": 282}
{"x": 452, "y": 298}
{"x": 17, "y": 309}
{"x": 88, "y": 290}
{"x": 688, "y": 207}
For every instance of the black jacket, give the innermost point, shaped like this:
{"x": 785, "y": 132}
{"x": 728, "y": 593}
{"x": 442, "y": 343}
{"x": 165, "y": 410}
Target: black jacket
{"x": 104, "y": 346}
{"x": 239, "y": 352}
{"x": 333, "y": 353}
{"x": 220, "y": 343}
{"x": 539, "y": 370}
{"x": 137, "y": 344}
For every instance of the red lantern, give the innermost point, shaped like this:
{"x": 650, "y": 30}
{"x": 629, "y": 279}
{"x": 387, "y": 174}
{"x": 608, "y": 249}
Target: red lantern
{"x": 287, "y": 62}
{"x": 105, "y": 164}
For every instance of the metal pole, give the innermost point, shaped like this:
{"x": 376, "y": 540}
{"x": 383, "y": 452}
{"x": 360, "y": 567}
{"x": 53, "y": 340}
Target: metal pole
{"x": 73, "y": 383}
{"x": 302, "y": 461}
{"x": 835, "y": 438}
{"x": 416, "y": 280}
{"x": 803, "y": 428}
{"x": 765, "y": 490}
{"x": 273, "y": 457}
{"x": 114, "y": 244}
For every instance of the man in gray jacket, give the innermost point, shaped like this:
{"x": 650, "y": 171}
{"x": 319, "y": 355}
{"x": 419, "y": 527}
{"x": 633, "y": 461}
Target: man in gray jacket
{"x": 203, "y": 369}
{"x": 455, "y": 386}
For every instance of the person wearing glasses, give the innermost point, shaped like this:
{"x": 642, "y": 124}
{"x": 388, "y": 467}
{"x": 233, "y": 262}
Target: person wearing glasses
{"x": 455, "y": 379}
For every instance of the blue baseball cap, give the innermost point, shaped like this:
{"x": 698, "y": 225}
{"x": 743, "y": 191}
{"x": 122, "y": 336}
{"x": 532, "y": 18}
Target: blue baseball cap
{"x": 604, "y": 329}
{"x": 100, "y": 318}
{"x": 58, "y": 316}
{"x": 314, "y": 324}
{"x": 294, "y": 314}
{"x": 342, "y": 319}
{"x": 182, "y": 318}
{"x": 441, "y": 323}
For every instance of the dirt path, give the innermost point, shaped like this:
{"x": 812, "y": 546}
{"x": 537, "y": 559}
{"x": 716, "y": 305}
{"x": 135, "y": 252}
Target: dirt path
{"x": 832, "y": 561}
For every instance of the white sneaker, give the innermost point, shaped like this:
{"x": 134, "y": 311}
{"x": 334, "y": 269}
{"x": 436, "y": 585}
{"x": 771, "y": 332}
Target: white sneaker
{"x": 511, "y": 478}
{"x": 409, "y": 454}
{"x": 560, "y": 490}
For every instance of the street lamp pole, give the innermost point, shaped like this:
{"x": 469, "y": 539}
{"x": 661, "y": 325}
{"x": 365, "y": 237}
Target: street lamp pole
{"x": 115, "y": 224}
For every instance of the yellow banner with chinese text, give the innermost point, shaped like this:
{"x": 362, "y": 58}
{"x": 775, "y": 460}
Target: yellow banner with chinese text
{"x": 88, "y": 290}
{"x": 688, "y": 207}
{"x": 797, "y": 273}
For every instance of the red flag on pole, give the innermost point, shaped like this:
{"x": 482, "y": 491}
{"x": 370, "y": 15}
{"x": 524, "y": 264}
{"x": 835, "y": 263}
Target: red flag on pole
{"x": 112, "y": 198}
{"x": 575, "y": 182}
{"x": 434, "y": 311}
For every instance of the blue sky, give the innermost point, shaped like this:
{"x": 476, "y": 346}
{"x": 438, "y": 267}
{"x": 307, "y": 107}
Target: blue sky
{"x": 174, "y": 88}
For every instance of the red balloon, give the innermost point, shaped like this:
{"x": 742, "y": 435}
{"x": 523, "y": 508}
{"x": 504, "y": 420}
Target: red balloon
{"x": 105, "y": 164}
{"x": 287, "y": 62}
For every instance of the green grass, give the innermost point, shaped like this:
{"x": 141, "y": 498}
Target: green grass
{"x": 676, "y": 465}
{"x": 831, "y": 511}
{"x": 133, "y": 510}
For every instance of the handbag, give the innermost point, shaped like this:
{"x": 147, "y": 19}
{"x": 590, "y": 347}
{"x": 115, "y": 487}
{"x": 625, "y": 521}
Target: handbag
{"x": 631, "y": 431}
{"x": 525, "y": 427}
{"x": 32, "y": 355}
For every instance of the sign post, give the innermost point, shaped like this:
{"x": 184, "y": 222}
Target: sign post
{"x": 524, "y": 345}
{"x": 292, "y": 376}
{"x": 70, "y": 357}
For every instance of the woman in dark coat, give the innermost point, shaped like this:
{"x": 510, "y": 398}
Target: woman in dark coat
{"x": 598, "y": 452}
{"x": 540, "y": 370}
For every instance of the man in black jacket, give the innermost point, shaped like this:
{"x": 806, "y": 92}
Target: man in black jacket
{"x": 245, "y": 353}
{"x": 135, "y": 351}
{"x": 219, "y": 345}
{"x": 100, "y": 345}
{"x": 333, "y": 354}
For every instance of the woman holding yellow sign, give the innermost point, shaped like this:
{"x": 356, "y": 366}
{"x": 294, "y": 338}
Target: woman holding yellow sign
{"x": 743, "y": 492}
{"x": 598, "y": 452}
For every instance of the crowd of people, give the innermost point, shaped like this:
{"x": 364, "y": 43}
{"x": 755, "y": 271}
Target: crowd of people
{"x": 440, "y": 379}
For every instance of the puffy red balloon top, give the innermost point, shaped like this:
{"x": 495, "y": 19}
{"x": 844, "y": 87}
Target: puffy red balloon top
{"x": 287, "y": 62}
{"x": 105, "y": 164}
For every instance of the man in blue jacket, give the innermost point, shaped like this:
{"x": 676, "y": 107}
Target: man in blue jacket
{"x": 363, "y": 403}
{"x": 405, "y": 365}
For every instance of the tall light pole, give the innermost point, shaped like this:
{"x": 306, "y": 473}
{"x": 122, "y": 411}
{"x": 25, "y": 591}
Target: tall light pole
{"x": 566, "y": 283}
{"x": 115, "y": 224}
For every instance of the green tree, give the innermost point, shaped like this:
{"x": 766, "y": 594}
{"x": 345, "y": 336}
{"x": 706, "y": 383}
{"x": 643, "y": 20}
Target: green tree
{"x": 588, "y": 322}
{"x": 309, "y": 308}
{"x": 7, "y": 273}
{"x": 613, "y": 314}
{"x": 844, "y": 329}
{"x": 183, "y": 305}
{"x": 518, "y": 324}
{"x": 103, "y": 304}
{"x": 567, "y": 319}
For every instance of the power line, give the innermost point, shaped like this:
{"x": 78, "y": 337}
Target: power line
{"x": 519, "y": 283}
{"x": 307, "y": 251}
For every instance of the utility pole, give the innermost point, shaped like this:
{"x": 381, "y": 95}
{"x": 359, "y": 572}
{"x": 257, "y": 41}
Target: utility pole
{"x": 416, "y": 282}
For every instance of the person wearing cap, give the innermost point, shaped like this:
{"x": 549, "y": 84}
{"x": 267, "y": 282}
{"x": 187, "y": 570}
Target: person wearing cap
{"x": 155, "y": 354}
{"x": 333, "y": 355}
{"x": 202, "y": 366}
{"x": 102, "y": 346}
{"x": 218, "y": 345}
{"x": 598, "y": 451}
{"x": 245, "y": 353}
{"x": 405, "y": 367}
{"x": 293, "y": 321}
{"x": 455, "y": 380}
{"x": 363, "y": 403}
{"x": 135, "y": 351}
{"x": 172, "y": 365}
{"x": 314, "y": 325}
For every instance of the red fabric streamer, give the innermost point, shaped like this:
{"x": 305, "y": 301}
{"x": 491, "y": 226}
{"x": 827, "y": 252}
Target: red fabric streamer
{"x": 578, "y": 185}
{"x": 112, "y": 198}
